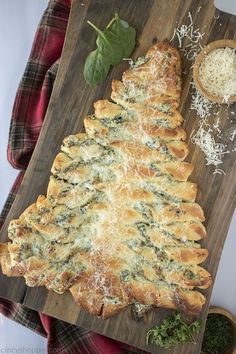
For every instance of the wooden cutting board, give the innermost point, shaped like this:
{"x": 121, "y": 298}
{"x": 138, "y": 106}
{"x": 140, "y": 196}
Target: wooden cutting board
{"x": 72, "y": 99}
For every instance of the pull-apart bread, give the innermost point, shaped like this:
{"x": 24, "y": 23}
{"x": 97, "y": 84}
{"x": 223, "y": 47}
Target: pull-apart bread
{"x": 119, "y": 224}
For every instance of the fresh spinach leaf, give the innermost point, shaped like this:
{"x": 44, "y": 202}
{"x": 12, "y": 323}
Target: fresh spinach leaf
{"x": 125, "y": 34}
{"x": 96, "y": 68}
{"x": 108, "y": 45}
{"x": 116, "y": 42}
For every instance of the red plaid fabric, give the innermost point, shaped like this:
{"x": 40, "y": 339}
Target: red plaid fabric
{"x": 35, "y": 87}
{"x": 11, "y": 197}
{"x": 28, "y": 113}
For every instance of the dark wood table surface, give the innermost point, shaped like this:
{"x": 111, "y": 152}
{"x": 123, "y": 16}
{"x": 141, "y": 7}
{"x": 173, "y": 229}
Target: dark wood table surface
{"x": 72, "y": 99}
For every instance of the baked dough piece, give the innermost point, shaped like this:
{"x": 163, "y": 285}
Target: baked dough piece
{"x": 164, "y": 152}
{"x": 163, "y": 64}
{"x": 177, "y": 169}
{"x": 5, "y": 259}
{"x": 162, "y": 295}
{"x": 109, "y": 131}
{"x": 120, "y": 222}
{"x": 111, "y": 113}
{"x": 156, "y": 82}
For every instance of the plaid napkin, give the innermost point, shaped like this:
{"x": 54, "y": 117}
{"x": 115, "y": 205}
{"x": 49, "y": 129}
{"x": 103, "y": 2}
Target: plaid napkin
{"x": 28, "y": 113}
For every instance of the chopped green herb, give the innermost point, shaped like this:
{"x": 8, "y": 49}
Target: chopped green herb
{"x": 116, "y": 42}
{"x": 173, "y": 331}
{"x": 218, "y": 335}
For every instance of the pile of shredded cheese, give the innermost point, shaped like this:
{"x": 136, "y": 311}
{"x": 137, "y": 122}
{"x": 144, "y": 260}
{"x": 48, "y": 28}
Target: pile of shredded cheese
{"x": 214, "y": 152}
{"x": 192, "y": 36}
{"x": 217, "y": 72}
{"x": 200, "y": 104}
{"x": 204, "y": 137}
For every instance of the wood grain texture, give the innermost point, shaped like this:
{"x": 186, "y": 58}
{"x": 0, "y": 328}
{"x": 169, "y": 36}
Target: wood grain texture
{"x": 72, "y": 99}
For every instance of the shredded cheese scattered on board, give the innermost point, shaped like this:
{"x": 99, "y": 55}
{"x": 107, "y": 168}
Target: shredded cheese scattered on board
{"x": 219, "y": 171}
{"x": 192, "y": 36}
{"x": 189, "y": 42}
{"x": 214, "y": 152}
{"x": 232, "y": 136}
{"x": 200, "y": 104}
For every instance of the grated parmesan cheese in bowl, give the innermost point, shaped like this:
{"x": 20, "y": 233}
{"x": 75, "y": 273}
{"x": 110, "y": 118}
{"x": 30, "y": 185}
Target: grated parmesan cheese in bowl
{"x": 215, "y": 71}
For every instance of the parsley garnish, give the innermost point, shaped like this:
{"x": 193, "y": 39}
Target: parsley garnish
{"x": 116, "y": 42}
{"x": 173, "y": 331}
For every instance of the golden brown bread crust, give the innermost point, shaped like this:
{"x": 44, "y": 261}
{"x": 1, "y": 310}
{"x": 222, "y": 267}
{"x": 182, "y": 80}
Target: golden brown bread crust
{"x": 155, "y": 81}
{"x": 147, "y": 94}
{"x": 182, "y": 190}
{"x": 179, "y": 170}
{"x": 165, "y": 296}
{"x": 191, "y": 230}
{"x": 3, "y": 250}
{"x": 176, "y": 149}
{"x": 120, "y": 223}
{"x": 105, "y": 108}
{"x": 5, "y": 261}
{"x": 147, "y": 114}
{"x": 97, "y": 130}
